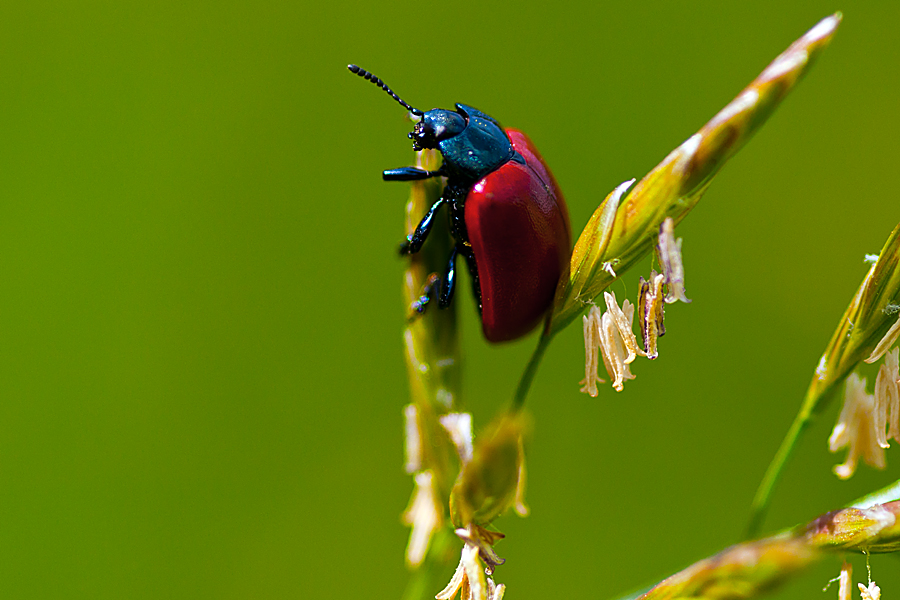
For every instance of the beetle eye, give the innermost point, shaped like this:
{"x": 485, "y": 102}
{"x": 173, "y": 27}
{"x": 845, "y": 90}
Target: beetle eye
{"x": 423, "y": 136}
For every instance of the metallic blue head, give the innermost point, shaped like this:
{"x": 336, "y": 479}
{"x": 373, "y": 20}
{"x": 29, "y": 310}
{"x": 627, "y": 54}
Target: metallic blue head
{"x": 472, "y": 143}
{"x": 436, "y": 125}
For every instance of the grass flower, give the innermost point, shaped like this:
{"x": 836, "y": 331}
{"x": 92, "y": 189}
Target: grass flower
{"x": 621, "y": 320}
{"x": 425, "y": 517}
{"x": 856, "y": 429}
{"x": 650, "y": 308}
{"x": 519, "y": 505}
{"x": 889, "y": 339}
{"x": 468, "y": 579}
{"x": 591, "y": 351}
{"x": 845, "y": 581}
{"x": 866, "y": 529}
{"x": 753, "y": 568}
{"x": 867, "y": 592}
{"x": 459, "y": 427}
{"x": 866, "y": 331}
{"x": 483, "y": 539}
{"x": 472, "y": 579}
{"x": 613, "y": 346}
{"x": 669, "y": 250}
{"x": 625, "y": 226}
{"x": 489, "y": 483}
{"x": 870, "y": 592}
{"x": 413, "y": 438}
{"x": 609, "y": 336}
{"x": 887, "y": 400}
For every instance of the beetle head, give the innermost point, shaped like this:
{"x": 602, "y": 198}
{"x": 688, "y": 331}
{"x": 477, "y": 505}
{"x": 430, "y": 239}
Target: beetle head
{"x": 437, "y": 124}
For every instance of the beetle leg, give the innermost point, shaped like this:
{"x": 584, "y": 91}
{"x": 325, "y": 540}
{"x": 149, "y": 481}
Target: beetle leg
{"x": 473, "y": 271}
{"x": 448, "y": 283}
{"x": 409, "y": 174}
{"x": 414, "y": 242}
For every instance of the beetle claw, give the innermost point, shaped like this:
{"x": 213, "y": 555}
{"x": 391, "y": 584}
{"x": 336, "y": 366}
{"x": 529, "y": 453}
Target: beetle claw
{"x": 417, "y": 308}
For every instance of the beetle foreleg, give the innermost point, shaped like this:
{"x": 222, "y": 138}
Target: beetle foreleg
{"x": 409, "y": 174}
{"x": 414, "y": 242}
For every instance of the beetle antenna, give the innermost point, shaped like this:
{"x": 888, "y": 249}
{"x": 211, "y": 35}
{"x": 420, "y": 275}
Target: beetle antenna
{"x": 365, "y": 74}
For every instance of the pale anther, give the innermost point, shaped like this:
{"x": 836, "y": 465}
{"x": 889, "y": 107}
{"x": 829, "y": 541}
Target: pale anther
{"x": 855, "y": 429}
{"x": 650, "y": 312}
{"x": 669, "y": 250}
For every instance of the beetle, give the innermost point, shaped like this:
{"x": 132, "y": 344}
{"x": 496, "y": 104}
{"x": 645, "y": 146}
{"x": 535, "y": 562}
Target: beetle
{"x": 507, "y": 215}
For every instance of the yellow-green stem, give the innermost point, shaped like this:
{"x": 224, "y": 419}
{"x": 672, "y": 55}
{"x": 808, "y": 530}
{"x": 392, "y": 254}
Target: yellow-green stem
{"x": 531, "y": 369}
{"x": 761, "y": 501}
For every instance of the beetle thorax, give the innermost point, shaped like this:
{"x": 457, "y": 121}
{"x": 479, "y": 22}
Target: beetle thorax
{"x": 480, "y": 148}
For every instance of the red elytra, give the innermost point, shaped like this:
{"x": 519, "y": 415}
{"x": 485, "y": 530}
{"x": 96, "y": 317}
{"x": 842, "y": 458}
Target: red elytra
{"x": 518, "y": 226}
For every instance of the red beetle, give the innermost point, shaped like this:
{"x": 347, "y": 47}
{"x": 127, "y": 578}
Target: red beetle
{"x": 507, "y": 215}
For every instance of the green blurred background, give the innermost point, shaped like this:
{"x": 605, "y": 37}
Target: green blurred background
{"x": 202, "y": 372}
